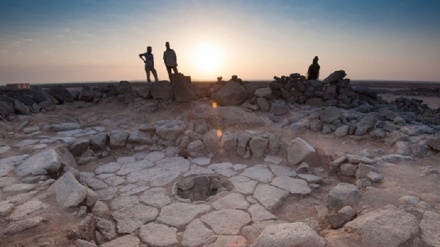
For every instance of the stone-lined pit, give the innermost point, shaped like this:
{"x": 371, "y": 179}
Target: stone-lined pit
{"x": 201, "y": 187}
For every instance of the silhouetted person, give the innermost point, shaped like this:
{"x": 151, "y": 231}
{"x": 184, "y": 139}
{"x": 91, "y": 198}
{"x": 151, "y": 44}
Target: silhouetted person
{"x": 313, "y": 72}
{"x": 148, "y": 59}
{"x": 170, "y": 59}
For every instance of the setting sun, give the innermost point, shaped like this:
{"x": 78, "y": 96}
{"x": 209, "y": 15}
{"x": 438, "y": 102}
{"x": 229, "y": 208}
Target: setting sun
{"x": 207, "y": 58}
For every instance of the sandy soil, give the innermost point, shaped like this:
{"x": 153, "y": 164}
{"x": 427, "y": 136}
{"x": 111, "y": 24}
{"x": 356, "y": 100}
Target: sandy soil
{"x": 401, "y": 179}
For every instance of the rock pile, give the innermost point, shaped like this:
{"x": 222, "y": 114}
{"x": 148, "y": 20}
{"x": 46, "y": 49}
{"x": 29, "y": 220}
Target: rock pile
{"x": 359, "y": 167}
{"x": 36, "y": 99}
{"x": 422, "y": 111}
{"x": 332, "y": 91}
{"x": 131, "y": 194}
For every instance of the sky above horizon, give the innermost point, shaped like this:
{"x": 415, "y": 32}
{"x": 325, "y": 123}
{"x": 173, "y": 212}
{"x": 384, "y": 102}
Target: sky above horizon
{"x": 43, "y": 41}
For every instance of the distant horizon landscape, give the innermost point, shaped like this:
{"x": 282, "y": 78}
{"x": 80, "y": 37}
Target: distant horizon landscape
{"x": 355, "y": 81}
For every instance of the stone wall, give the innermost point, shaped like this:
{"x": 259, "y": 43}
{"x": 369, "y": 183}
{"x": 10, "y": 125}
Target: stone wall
{"x": 334, "y": 90}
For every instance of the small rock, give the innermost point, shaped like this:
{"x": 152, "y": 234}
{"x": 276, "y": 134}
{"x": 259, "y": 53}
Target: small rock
{"x": 343, "y": 216}
{"x": 298, "y": 150}
{"x": 118, "y": 138}
{"x": 21, "y": 225}
{"x": 348, "y": 169}
{"x": 342, "y": 195}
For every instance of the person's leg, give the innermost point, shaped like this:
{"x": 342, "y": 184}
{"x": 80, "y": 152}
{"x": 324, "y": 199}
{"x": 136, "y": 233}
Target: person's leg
{"x": 148, "y": 76}
{"x": 169, "y": 72}
{"x": 175, "y": 70}
{"x": 155, "y": 74}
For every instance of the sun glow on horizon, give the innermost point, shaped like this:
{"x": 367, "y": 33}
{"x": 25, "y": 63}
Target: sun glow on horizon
{"x": 207, "y": 58}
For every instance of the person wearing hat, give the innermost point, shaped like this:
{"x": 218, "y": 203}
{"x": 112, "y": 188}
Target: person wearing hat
{"x": 313, "y": 72}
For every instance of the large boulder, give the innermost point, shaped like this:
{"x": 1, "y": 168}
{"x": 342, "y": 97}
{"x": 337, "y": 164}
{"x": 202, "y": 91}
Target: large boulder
{"x": 335, "y": 76}
{"x": 233, "y": 93}
{"x": 298, "y": 150}
{"x": 43, "y": 163}
{"x": 161, "y": 90}
{"x": 296, "y": 234}
{"x": 390, "y": 227}
{"x": 183, "y": 89}
{"x": 61, "y": 94}
{"x": 68, "y": 191}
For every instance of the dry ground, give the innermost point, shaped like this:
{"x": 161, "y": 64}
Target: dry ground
{"x": 401, "y": 179}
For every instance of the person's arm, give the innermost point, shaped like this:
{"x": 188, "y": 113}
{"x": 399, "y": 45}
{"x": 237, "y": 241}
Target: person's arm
{"x": 141, "y": 56}
{"x": 175, "y": 57}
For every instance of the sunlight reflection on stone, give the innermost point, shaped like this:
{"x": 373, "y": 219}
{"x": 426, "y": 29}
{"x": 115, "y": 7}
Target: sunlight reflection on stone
{"x": 219, "y": 133}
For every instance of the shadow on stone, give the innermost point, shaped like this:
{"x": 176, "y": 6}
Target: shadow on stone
{"x": 201, "y": 187}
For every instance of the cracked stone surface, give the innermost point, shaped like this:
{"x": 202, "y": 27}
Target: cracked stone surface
{"x": 135, "y": 197}
{"x": 269, "y": 196}
{"x": 226, "y": 221}
{"x": 137, "y": 205}
{"x": 158, "y": 235}
{"x": 180, "y": 214}
{"x": 196, "y": 233}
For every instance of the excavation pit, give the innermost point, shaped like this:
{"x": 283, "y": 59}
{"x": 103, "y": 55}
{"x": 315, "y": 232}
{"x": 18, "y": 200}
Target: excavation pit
{"x": 201, "y": 187}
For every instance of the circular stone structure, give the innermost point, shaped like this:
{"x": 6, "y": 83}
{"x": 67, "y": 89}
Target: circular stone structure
{"x": 201, "y": 187}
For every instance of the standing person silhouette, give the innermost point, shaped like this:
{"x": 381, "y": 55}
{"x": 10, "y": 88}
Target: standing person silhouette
{"x": 148, "y": 59}
{"x": 170, "y": 59}
{"x": 313, "y": 72}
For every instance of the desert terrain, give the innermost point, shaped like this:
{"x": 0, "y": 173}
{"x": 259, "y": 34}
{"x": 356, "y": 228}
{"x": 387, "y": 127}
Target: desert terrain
{"x": 142, "y": 168}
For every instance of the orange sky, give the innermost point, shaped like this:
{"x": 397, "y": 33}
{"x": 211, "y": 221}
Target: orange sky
{"x": 93, "y": 41}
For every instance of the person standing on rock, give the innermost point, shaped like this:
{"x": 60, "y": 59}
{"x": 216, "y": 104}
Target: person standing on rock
{"x": 313, "y": 72}
{"x": 148, "y": 59}
{"x": 170, "y": 59}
